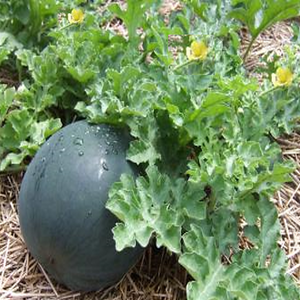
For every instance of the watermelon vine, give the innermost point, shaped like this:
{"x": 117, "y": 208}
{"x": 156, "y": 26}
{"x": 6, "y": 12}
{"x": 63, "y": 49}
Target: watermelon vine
{"x": 204, "y": 129}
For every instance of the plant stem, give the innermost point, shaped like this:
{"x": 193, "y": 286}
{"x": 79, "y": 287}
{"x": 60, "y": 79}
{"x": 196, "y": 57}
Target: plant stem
{"x": 66, "y": 26}
{"x": 13, "y": 170}
{"x": 212, "y": 202}
{"x": 248, "y": 49}
{"x": 19, "y": 69}
{"x": 268, "y": 91}
{"x": 186, "y": 63}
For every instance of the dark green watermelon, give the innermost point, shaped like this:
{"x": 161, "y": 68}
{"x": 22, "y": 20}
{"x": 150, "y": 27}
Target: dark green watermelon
{"x": 62, "y": 206}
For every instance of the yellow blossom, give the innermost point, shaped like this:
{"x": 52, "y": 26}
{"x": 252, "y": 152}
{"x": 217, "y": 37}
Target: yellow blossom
{"x": 198, "y": 50}
{"x": 76, "y": 16}
{"x": 283, "y": 77}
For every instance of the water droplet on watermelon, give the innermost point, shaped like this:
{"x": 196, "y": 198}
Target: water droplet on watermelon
{"x": 100, "y": 172}
{"x": 78, "y": 141}
{"x": 105, "y": 166}
{"x": 42, "y": 175}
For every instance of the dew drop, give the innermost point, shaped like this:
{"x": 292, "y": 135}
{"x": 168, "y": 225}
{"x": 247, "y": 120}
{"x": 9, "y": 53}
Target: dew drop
{"x": 62, "y": 150}
{"x": 43, "y": 159}
{"x": 48, "y": 144}
{"x": 60, "y": 169}
{"x": 87, "y": 132}
{"x": 107, "y": 143}
{"x": 89, "y": 212}
{"x": 115, "y": 151}
{"x": 72, "y": 135}
{"x": 105, "y": 166}
{"x": 100, "y": 172}
{"x": 61, "y": 138}
{"x": 106, "y": 151}
{"x": 80, "y": 153}
{"x": 78, "y": 141}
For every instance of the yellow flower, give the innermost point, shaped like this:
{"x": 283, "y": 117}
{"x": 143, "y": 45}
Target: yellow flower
{"x": 198, "y": 50}
{"x": 76, "y": 16}
{"x": 283, "y": 77}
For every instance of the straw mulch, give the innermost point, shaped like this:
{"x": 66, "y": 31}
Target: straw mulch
{"x": 288, "y": 204}
{"x": 157, "y": 275}
{"x": 270, "y": 42}
{"x": 273, "y": 42}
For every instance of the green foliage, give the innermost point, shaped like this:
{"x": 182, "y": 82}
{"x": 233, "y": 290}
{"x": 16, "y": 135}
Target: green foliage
{"x": 28, "y": 20}
{"x": 258, "y": 15}
{"x": 8, "y": 44}
{"x": 243, "y": 279}
{"x": 157, "y": 205}
{"x": 21, "y": 131}
{"x": 133, "y": 15}
{"x": 203, "y": 132}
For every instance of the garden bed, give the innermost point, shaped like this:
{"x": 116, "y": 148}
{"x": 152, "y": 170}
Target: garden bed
{"x": 157, "y": 275}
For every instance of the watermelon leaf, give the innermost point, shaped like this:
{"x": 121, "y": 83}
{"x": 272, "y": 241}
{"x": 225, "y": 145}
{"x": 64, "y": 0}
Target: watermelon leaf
{"x": 258, "y": 15}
